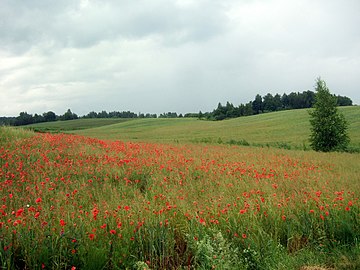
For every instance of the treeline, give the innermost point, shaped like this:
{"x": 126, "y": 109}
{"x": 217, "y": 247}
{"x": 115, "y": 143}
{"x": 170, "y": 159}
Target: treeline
{"x": 268, "y": 103}
{"x": 114, "y": 114}
{"x": 25, "y": 118}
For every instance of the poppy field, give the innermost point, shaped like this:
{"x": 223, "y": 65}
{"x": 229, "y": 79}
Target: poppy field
{"x": 73, "y": 202}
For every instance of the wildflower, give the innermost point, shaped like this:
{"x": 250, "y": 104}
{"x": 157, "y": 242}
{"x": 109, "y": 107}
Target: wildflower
{"x": 283, "y": 217}
{"x": 62, "y": 223}
{"x": 19, "y": 212}
{"x": 95, "y": 212}
{"x": 112, "y": 232}
{"x": 38, "y": 200}
{"x": 244, "y": 236}
{"x": 91, "y": 236}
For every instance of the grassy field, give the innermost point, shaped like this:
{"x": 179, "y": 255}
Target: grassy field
{"x": 286, "y": 129}
{"x": 71, "y": 125}
{"x": 141, "y": 194}
{"x": 73, "y": 202}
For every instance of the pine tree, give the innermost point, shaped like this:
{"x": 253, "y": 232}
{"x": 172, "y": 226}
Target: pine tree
{"x": 328, "y": 126}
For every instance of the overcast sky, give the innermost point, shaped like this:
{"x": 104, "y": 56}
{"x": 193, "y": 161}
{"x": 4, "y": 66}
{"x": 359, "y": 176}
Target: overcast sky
{"x": 172, "y": 55}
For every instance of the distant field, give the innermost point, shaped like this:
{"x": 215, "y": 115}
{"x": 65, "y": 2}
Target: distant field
{"x": 284, "y": 129}
{"x": 71, "y": 125}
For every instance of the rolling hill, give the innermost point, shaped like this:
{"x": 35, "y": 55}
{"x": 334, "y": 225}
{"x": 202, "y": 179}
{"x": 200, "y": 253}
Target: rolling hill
{"x": 284, "y": 129}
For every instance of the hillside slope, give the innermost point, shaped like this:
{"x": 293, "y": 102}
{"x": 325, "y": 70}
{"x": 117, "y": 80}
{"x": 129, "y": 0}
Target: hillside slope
{"x": 71, "y": 125}
{"x": 279, "y": 128}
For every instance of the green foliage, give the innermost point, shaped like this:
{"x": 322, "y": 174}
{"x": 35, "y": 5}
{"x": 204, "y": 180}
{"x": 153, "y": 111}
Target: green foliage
{"x": 214, "y": 251}
{"x": 328, "y": 126}
{"x": 270, "y": 103}
{"x": 69, "y": 115}
{"x": 11, "y": 134}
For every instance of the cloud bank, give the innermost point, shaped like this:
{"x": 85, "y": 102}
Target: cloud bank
{"x": 159, "y": 56}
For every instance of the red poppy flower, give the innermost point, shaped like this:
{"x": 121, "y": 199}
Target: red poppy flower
{"x": 19, "y": 212}
{"x": 62, "y": 223}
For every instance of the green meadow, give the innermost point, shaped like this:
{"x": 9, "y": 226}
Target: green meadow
{"x": 71, "y": 125}
{"x": 284, "y": 129}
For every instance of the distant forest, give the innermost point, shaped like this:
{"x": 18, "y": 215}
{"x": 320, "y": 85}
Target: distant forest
{"x": 268, "y": 103}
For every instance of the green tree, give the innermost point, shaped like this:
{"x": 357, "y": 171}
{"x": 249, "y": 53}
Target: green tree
{"x": 328, "y": 126}
{"x": 248, "y": 110}
{"x": 69, "y": 115}
{"x": 269, "y": 103}
{"x": 201, "y": 115}
{"x": 344, "y": 101}
{"x": 257, "y": 104}
{"x": 24, "y": 119}
{"x": 49, "y": 116}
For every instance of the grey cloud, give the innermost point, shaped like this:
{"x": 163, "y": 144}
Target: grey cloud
{"x": 73, "y": 24}
{"x": 163, "y": 55}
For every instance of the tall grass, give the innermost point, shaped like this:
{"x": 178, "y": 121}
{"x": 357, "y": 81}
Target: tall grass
{"x": 10, "y": 134}
{"x": 70, "y": 201}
